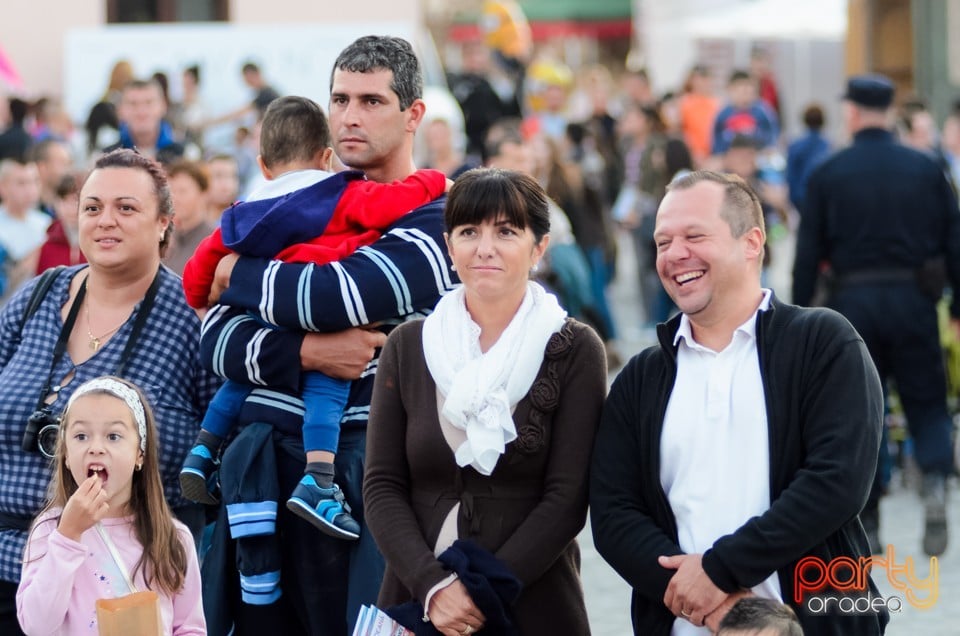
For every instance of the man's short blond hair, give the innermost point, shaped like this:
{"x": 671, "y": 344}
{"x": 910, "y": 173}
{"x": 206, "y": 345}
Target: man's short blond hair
{"x": 741, "y": 207}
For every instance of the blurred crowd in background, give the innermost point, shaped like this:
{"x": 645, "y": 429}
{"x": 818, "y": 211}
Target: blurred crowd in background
{"x": 604, "y": 146}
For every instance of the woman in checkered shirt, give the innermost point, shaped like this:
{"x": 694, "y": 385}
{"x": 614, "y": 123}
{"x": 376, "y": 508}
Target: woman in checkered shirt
{"x": 94, "y": 312}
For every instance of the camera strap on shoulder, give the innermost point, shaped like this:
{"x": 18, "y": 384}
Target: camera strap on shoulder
{"x": 61, "y": 346}
{"x": 44, "y": 283}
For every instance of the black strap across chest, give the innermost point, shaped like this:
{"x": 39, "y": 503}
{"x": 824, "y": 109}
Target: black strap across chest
{"x": 61, "y": 346}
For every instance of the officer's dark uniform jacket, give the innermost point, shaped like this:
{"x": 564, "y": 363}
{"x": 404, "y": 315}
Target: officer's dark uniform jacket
{"x": 876, "y": 211}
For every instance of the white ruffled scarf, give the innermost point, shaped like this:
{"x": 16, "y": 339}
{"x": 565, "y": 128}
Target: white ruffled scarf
{"x": 481, "y": 389}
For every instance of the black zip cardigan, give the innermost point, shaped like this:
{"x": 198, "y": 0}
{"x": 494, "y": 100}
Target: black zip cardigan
{"x": 825, "y": 413}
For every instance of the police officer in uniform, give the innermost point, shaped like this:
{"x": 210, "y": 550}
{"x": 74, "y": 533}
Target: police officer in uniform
{"x": 883, "y": 219}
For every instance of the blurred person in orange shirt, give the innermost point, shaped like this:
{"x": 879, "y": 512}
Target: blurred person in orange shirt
{"x": 698, "y": 111}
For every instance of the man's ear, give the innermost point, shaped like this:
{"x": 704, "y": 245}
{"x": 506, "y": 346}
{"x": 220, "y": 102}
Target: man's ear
{"x": 415, "y": 113}
{"x": 755, "y": 241}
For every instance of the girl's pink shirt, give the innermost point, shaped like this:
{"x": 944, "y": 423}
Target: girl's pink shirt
{"x": 62, "y": 580}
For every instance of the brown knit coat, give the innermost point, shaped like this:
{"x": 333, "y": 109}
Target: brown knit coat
{"x": 528, "y": 512}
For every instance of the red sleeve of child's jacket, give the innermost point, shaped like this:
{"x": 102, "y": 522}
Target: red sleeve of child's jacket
{"x": 199, "y": 270}
{"x": 375, "y": 206}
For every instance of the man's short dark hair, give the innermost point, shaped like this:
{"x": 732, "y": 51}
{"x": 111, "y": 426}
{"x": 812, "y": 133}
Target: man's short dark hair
{"x": 193, "y": 169}
{"x": 501, "y": 132}
{"x": 221, "y": 156}
{"x": 740, "y": 75}
{"x": 755, "y": 614}
{"x": 743, "y": 140}
{"x": 813, "y": 117}
{"x": 293, "y": 129}
{"x": 383, "y": 52}
{"x": 68, "y": 184}
{"x": 136, "y": 84}
{"x": 910, "y": 108}
{"x": 18, "y": 110}
{"x": 249, "y": 67}
{"x": 40, "y": 151}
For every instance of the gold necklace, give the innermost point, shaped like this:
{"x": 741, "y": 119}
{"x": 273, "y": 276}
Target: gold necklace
{"x": 96, "y": 341}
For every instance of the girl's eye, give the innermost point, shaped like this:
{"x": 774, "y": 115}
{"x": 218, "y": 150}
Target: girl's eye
{"x": 113, "y": 437}
{"x": 80, "y": 437}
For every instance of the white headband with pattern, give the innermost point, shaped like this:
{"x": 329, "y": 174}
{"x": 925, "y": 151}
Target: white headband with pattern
{"x": 119, "y": 390}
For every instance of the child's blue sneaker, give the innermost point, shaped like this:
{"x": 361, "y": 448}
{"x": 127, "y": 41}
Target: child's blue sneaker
{"x": 198, "y": 479}
{"x": 325, "y": 508}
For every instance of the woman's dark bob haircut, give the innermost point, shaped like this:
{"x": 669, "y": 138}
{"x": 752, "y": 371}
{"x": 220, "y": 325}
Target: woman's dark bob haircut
{"x": 491, "y": 194}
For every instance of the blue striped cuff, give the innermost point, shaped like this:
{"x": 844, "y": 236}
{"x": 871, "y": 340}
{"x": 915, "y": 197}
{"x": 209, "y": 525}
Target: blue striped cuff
{"x": 252, "y": 519}
{"x": 260, "y": 589}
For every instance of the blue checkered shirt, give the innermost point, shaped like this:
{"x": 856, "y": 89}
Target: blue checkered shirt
{"x": 164, "y": 363}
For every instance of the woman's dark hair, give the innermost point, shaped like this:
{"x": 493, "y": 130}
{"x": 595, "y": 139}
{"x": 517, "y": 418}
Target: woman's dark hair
{"x": 676, "y": 157}
{"x": 654, "y": 118}
{"x": 489, "y": 194}
{"x": 651, "y": 113}
{"x": 164, "y": 82}
{"x": 126, "y": 158}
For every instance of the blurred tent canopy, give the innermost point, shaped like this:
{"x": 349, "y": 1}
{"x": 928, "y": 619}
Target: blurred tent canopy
{"x": 555, "y": 18}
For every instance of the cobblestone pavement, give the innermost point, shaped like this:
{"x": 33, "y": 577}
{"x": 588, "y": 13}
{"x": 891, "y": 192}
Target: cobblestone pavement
{"x": 608, "y": 597}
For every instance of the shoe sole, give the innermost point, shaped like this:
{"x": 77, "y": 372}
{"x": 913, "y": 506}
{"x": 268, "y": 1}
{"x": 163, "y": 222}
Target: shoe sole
{"x": 308, "y": 514}
{"x": 193, "y": 486}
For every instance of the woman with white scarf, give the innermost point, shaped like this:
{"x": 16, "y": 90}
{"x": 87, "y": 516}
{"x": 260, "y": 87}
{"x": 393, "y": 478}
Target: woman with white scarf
{"x": 482, "y": 423}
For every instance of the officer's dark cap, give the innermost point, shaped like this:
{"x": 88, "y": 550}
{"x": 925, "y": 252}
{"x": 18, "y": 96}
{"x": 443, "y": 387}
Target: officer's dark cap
{"x": 870, "y": 91}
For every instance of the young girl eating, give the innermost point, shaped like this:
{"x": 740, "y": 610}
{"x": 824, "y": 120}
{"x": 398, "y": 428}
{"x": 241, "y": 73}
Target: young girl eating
{"x": 107, "y": 524}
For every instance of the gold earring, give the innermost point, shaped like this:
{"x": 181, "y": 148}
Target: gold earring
{"x": 139, "y": 465}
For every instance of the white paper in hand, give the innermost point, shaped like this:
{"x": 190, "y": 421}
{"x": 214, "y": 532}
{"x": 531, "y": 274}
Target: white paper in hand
{"x": 371, "y": 621}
